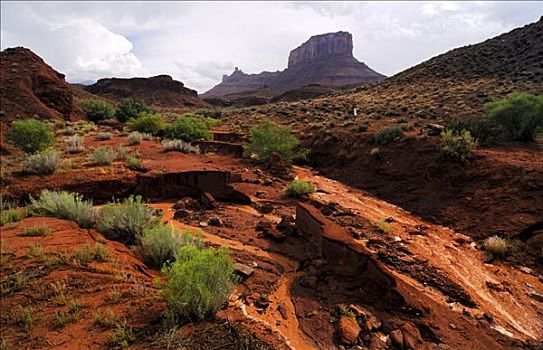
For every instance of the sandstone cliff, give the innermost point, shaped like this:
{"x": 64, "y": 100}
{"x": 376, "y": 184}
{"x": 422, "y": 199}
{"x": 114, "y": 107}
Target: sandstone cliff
{"x": 325, "y": 59}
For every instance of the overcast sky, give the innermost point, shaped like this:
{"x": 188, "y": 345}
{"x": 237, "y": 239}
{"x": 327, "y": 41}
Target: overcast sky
{"x": 198, "y": 42}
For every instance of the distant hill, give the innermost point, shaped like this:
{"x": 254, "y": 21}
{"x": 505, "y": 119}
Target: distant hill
{"x": 160, "y": 91}
{"x": 325, "y": 59}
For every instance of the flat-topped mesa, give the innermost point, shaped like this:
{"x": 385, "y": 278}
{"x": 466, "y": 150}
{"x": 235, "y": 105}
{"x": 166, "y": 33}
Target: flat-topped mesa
{"x": 330, "y": 44}
{"x": 160, "y": 90}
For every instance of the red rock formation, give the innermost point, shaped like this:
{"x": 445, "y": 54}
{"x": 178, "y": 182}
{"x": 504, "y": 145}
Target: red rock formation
{"x": 29, "y": 87}
{"x": 161, "y": 91}
{"x": 325, "y": 59}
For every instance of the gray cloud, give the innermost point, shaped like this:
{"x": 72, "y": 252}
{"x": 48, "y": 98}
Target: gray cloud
{"x": 198, "y": 42}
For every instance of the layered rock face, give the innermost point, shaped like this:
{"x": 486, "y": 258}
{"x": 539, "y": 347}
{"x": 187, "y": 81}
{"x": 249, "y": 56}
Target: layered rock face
{"x": 331, "y": 44}
{"x": 325, "y": 59}
{"x": 161, "y": 90}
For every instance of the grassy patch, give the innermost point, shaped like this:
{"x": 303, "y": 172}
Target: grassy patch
{"x": 65, "y": 205}
{"x": 35, "y": 231}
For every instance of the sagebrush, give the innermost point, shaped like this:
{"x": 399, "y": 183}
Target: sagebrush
{"x": 198, "y": 282}
{"x": 65, "y": 205}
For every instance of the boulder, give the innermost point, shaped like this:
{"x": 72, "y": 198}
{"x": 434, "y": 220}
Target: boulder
{"x": 348, "y": 330}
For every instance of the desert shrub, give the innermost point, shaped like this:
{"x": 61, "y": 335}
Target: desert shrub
{"x": 133, "y": 162}
{"x": 11, "y": 212}
{"x": 498, "y": 246}
{"x": 198, "y": 282}
{"x": 96, "y": 109}
{"x": 384, "y": 226}
{"x": 483, "y": 130}
{"x": 121, "y": 153}
{"x": 41, "y": 163}
{"x": 268, "y": 137}
{"x": 388, "y": 134}
{"x": 457, "y": 146}
{"x": 130, "y": 109}
{"x": 65, "y": 205}
{"x": 189, "y": 127}
{"x": 519, "y": 116}
{"x": 74, "y": 144}
{"x": 159, "y": 243}
{"x": 134, "y": 138}
{"x": 30, "y": 135}
{"x": 125, "y": 221}
{"x": 180, "y": 146}
{"x": 104, "y": 136}
{"x": 103, "y": 155}
{"x": 150, "y": 123}
{"x": 298, "y": 188}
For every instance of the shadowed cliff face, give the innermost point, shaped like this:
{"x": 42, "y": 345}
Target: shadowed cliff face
{"x": 325, "y": 59}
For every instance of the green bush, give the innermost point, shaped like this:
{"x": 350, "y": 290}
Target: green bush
{"x": 159, "y": 243}
{"x": 483, "y": 130}
{"x": 388, "y": 134}
{"x": 150, "y": 123}
{"x": 519, "y": 116}
{"x": 42, "y": 163}
{"x": 125, "y": 221}
{"x": 268, "y": 137}
{"x": 30, "y": 135}
{"x": 130, "y": 109}
{"x": 189, "y": 128}
{"x": 103, "y": 155}
{"x": 198, "y": 282}
{"x": 297, "y": 188}
{"x": 96, "y": 109}
{"x": 65, "y": 205}
{"x": 133, "y": 162}
{"x": 457, "y": 146}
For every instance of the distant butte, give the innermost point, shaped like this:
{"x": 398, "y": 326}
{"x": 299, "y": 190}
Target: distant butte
{"x": 325, "y": 59}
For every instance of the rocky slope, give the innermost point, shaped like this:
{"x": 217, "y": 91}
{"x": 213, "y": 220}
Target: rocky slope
{"x": 498, "y": 192}
{"x": 160, "y": 91}
{"x": 29, "y": 87}
{"x": 325, "y": 59}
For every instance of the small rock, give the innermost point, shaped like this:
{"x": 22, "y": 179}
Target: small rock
{"x": 215, "y": 221}
{"x": 396, "y": 337}
{"x": 263, "y": 226}
{"x": 487, "y": 257}
{"x": 488, "y": 317}
{"x": 283, "y": 311}
{"x": 203, "y": 224}
{"x": 266, "y": 208}
{"x": 527, "y": 270}
{"x": 286, "y": 222}
{"x": 348, "y": 330}
{"x": 373, "y": 323}
{"x": 243, "y": 270}
{"x": 536, "y": 296}
{"x": 208, "y": 201}
{"x": 261, "y": 194}
{"x": 411, "y": 336}
{"x": 182, "y": 214}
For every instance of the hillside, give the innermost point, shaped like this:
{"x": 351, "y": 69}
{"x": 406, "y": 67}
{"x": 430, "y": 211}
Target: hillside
{"x": 31, "y": 88}
{"x": 499, "y": 192}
